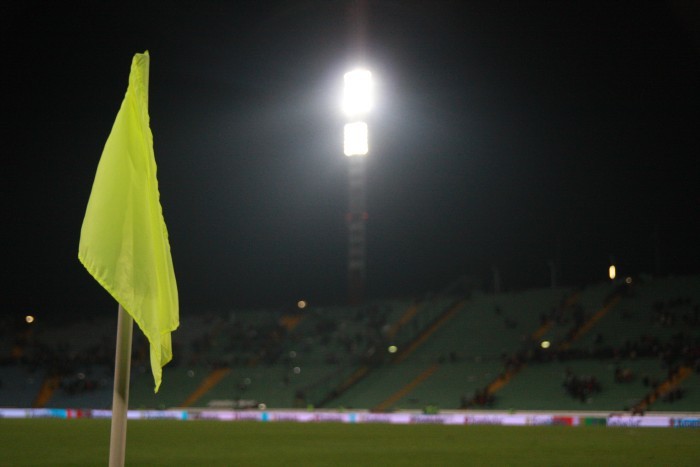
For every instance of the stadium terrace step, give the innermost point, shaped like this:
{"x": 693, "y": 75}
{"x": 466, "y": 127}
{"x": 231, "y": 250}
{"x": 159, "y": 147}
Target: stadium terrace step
{"x": 586, "y": 326}
{"x": 405, "y": 318}
{"x": 353, "y": 379}
{"x": 428, "y": 331}
{"x": 401, "y": 393}
{"x": 209, "y": 382}
{"x": 662, "y": 389}
{"x": 549, "y": 322}
{"x": 46, "y": 391}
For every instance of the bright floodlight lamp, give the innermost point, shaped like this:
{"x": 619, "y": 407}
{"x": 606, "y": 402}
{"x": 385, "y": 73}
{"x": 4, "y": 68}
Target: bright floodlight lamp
{"x": 357, "y": 94}
{"x": 355, "y": 139}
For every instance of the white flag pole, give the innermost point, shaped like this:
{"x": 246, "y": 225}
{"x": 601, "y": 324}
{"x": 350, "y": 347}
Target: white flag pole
{"x": 120, "y": 398}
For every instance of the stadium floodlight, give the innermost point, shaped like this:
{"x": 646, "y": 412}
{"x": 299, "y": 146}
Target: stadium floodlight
{"x": 357, "y": 93}
{"x": 357, "y": 102}
{"x": 612, "y": 272}
{"x": 355, "y": 139}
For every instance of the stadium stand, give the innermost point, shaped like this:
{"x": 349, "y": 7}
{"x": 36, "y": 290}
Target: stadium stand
{"x": 629, "y": 345}
{"x": 19, "y": 385}
{"x": 472, "y": 347}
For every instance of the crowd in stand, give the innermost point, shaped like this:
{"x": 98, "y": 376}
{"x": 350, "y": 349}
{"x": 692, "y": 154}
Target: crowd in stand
{"x": 682, "y": 348}
{"x": 71, "y": 366}
{"x": 226, "y": 342}
{"x": 581, "y": 387}
{"x": 358, "y": 339}
{"x": 354, "y": 340}
{"x": 677, "y": 311}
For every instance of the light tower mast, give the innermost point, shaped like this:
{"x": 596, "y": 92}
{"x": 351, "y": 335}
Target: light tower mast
{"x": 357, "y": 101}
{"x": 356, "y": 218}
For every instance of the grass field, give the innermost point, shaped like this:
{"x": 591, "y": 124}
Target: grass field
{"x": 209, "y": 443}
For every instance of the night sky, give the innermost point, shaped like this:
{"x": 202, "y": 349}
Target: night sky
{"x": 506, "y": 134}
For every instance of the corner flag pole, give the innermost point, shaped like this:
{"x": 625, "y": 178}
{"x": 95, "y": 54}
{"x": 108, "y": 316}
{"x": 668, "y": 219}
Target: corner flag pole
{"x": 120, "y": 397}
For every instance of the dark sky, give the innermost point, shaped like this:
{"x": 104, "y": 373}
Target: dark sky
{"x": 505, "y": 133}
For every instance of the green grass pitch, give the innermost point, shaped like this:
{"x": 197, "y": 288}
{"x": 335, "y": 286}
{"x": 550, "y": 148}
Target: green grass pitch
{"x": 53, "y": 442}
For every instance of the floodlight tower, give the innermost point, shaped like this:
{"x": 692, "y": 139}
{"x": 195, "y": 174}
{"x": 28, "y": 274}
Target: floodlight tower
{"x": 357, "y": 101}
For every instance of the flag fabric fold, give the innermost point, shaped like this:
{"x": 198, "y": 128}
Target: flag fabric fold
{"x": 123, "y": 240}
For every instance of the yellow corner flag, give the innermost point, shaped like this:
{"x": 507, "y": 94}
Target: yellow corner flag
{"x": 123, "y": 241}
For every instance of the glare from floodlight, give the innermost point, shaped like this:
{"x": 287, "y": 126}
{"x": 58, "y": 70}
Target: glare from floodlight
{"x": 357, "y": 93}
{"x": 355, "y": 139}
{"x": 612, "y": 272}
{"x": 29, "y": 319}
{"x": 545, "y": 344}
